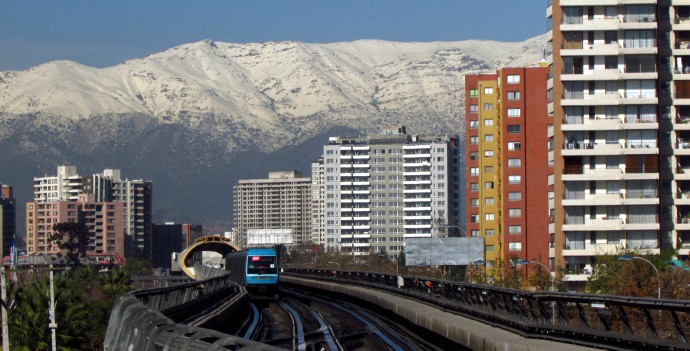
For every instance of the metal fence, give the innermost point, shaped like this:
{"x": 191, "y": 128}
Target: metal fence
{"x": 604, "y": 321}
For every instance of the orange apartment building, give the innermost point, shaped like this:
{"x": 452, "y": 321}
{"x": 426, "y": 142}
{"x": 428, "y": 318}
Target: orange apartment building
{"x": 105, "y": 221}
{"x": 509, "y": 177}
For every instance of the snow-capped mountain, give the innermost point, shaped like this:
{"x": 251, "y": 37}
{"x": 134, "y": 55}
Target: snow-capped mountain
{"x": 184, "y": 117}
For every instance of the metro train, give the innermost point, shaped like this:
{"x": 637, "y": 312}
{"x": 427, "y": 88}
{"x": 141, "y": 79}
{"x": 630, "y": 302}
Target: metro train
{"x": 257, "y": 269}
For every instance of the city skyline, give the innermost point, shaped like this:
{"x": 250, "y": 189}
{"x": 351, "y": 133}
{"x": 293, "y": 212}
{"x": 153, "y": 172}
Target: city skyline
{"x": 109, "y": 33}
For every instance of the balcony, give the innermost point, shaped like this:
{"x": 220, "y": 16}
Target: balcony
{"x": 579, "y": 23}
{"x": 584, "y": 173}
{"x": 579, "y": 98}
{"x": 591, "y": 149}
{"x": 579, "y": 49}
{"x": 599, "y": 122}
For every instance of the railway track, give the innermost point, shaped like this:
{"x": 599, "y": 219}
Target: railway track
{"x": 304, "y": 322}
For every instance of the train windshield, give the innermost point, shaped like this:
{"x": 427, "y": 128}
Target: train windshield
{"x": 261, "y": 265}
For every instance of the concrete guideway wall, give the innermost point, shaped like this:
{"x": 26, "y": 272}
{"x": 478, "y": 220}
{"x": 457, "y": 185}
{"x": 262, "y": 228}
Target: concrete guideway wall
{"x": 463, "y": 331}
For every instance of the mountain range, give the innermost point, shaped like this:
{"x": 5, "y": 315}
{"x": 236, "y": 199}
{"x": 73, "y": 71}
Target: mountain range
{"x": 197, "y": 117}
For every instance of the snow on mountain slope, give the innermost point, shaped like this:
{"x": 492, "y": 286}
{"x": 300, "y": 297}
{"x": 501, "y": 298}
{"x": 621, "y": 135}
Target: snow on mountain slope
{"x": 269, "y": 86}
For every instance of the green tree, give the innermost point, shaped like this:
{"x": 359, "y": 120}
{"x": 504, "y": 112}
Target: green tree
{"x": 116, "y": 282}
{"x": 138, "y": 267}
{"x": 73, "y": 238}
{"x": 505, "y": 274}
{"x": 28, "y": 323}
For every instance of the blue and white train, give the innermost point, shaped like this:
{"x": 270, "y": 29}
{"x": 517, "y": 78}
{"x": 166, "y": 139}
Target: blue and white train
{"x": 257, "y": 269}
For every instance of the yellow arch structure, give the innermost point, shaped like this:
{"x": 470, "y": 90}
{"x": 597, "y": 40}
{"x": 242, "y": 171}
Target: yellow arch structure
{"x": 215, "y": 243}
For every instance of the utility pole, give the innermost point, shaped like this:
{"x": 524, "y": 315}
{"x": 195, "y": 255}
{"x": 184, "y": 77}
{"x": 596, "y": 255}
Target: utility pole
{"x": 53, "y": 324}
{"x": 5, "y": 329}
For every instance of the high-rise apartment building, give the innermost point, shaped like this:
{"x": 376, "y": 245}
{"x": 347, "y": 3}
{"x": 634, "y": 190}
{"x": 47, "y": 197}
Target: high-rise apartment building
{"x": 386, "y": 187}
{"x": 8, "y": 218}
{"x": 104, "y": 221}
{"x": 318, "y": 196}
{"x": 283, "y": 201}
{"x": 507, "y": 168}
{"x": 620, "y": 100}
{"x": 108, "y": 186}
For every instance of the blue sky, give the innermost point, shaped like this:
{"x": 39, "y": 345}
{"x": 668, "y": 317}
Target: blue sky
{"x": 104, "y": 33}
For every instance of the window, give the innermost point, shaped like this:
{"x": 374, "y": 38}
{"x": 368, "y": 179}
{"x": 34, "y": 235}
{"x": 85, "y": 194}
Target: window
{"x": 474, "y": 232}
{"x": 513, "y": 129}
{"x": 514, "y": 145}
{"x": 489, "y": 153}
{"x": 474, "y": 155}
{"x": 474, "y": 108}
{"x": 488, "y": 122}
{"x": 488, "y": 106}
{"x": 488, "y": 90}
{"x": 513, "y": 79}
{"x": 474, "y": 171}
{"x": 513, "y": 95}
{"x": 514, "y": 212}
{"x": 474, "y": 218}
{"x": 474, "y": 202}
{"x": 488, "y": 185}
{"x": 613, "y": 238}
{"x": 514, "y": 196}
{"x": 513, "y": 112}
{"x": 515, "y": 246}
{"x": 489, "y": 201}
{"x": 514, "y": 162}
{"x": 489, "y": 248}
{"x": 488, "y": 137}
{"x": 488, "y": 232}
{"x": 488, "y": 169}
{"x": 514, "y": 229}
{"x": 474, "y": 124}
{"x": 514, "y": 179}
{"x": 474, "y": 140}
{"x": 474, "y": 93}
{"x": 489, "y": 216}
{"x": 474, "y": 186}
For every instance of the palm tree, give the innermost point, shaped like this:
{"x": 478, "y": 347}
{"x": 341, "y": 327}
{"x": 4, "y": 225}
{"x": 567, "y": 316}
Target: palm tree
{"x": 29, "y": 321}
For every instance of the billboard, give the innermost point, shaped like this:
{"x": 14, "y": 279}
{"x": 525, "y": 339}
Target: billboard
{"x": 443, "y": 251}
{"x": 265, "y": 237}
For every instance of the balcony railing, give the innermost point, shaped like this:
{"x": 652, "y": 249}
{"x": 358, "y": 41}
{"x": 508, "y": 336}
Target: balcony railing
{"x": 641, "y": 194}
{"x": 641, "y": 170}
{"x": 639, "y": 18}
{"x": 575, "y": 220}
{"x": 639, "y": 144}
{"x": 574, "y": 120}
{"x": 572, "y": 20}
{"x": 574, "y": 95}
{"x": 574, "y": 195}
{"x": 640, "y": 68}
{"x": 641, "y": 119}
{"x": 642, "y": 219}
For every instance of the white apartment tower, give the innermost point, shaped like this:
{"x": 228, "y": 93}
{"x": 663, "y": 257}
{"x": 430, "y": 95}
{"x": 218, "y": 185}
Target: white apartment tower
{"x": 384, "y": 188}
{"x": 318, "y": 196}
{"x": 620, "y": 97}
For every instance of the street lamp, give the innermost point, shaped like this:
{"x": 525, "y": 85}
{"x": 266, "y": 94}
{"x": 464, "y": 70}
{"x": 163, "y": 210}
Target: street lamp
{"x": 658, "y": 279}
{"x": 552, "y": 279}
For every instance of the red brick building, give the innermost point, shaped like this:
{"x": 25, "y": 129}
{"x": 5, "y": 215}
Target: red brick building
{"x": 509, "y": 177}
